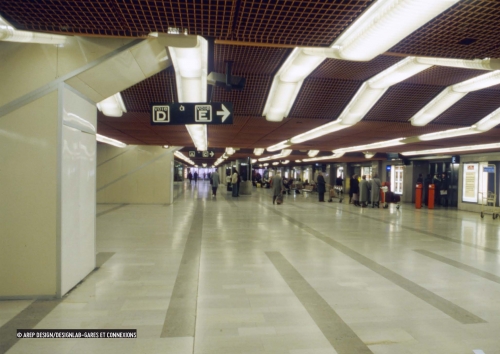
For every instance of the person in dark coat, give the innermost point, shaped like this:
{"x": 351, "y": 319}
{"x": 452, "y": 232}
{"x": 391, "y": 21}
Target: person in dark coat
{"x": 195, "y": 176}
{"x": 355, "y": 190}
{"x": 321, "y": 185}
{"x": 364, "y": 190}
{"x": 190, "y": 177}
{"x": 375, "y": 187}
{"x": 420, "y": 179}
{"x": 350, "y": 189}
{"x": 444, "y": 190}
{"x": 277, "y": 185}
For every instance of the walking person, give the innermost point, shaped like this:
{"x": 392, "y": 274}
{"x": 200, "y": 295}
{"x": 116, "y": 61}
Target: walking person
{"x": 376, "y": 184}
{"x": 276, "y": 185}
{"x": 355, "y": 190}
{"x": 234, "y": 182}
{"x": 444, "y": 190}
{"x": 321, "y": 185}
{"x": 364, "y": 189}
{"x": 190, "y": 177}
{"x": 351, "y": 190}
{"x": 214, "y": 178}
{"x": 195, "y": 176}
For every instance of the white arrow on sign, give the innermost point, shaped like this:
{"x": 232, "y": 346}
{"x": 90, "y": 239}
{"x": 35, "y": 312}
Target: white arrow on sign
{"x": 224, "y": 113}
{"x": 212, "y": 154}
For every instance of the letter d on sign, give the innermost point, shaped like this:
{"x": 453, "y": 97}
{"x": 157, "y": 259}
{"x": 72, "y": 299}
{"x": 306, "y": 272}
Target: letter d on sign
{"x": 161, "y": 114}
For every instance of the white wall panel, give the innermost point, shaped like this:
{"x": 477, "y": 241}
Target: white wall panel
{"x": 77, "y": 192}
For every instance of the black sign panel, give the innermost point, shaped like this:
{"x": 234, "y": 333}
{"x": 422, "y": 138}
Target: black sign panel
{"x": 191, "y": 113}
{"x": 206, "y": 153}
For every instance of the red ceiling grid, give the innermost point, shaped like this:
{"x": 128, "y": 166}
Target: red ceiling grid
{"x": 79, "y": 17}
{"x": 212, "y": 18}
{"x": 323, "y": 98}
{"x": 304, "y": 23}
{"x": 444, "y": 76}
{"x": 249, "y": 59}
{"x": 402, "y": 101}
{"x": 157, "y": 88}
{"x": 251, "y": 100}
{"x": 352, "y": 70}
{"x": 472, "y": 108}
{"x": 468, "y": 19}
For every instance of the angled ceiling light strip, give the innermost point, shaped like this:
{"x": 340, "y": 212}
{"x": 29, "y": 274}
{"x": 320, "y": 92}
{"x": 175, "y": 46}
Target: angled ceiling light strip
{"x": 191, "y": 68}
{"x": 183, "y": 157}
{"x": 10, "y": 34}
{"x": 480, "y": 64}
{"x": 287, "y": 83}
{"x": 106, "y": 140}
{"x": 453, "y": 149}
{"x": 312, "y": 153}
{"x": 282, "y": 154}
{"x": 451, "y": 95}
{"x": 258, "y": 151}
{"x": 373, "y": 146}
{"x": 112, "y": 106}
{"x": 362, "y": 102}
{"x": 384, "y": 25}
{"x": 230, "y": 151}
{"x": 334, "y": 156}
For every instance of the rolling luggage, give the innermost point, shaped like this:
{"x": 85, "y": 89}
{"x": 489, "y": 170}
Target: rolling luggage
{"x": 279, "y": 199}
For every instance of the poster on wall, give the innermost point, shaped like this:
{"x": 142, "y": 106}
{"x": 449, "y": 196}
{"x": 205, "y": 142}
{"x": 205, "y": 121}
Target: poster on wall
{"x": 470, "y": 181}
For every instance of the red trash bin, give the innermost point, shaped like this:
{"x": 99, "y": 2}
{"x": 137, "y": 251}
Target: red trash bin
{"x": 418, "y": 196}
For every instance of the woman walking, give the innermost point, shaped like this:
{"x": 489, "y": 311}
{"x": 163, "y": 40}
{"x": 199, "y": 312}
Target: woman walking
{"x": 321, "y": 185}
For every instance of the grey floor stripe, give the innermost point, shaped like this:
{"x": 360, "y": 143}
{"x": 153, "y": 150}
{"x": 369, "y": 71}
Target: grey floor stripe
{"x": 111, "y": 209}
{"x": 449, "y": 308}
{"x": 103, "y": 257}
{"x": 26, "y": 319}
{"x": 445, "y": 238}
{"x": 180, "y": 320}
{"x": 338, "y": 333}
{"x": 465, "y": 267}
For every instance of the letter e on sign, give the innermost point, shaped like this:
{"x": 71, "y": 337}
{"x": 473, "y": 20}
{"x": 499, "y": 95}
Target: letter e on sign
{"x": 161, "y": 114}
{"x": 203, "y": 113}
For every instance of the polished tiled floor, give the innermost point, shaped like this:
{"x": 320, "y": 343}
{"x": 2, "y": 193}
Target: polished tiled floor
{"x": 240, "y": 275}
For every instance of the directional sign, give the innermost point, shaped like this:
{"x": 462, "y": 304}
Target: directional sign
{"x": 191, "y": 113}
{"x": 207, "y": 153}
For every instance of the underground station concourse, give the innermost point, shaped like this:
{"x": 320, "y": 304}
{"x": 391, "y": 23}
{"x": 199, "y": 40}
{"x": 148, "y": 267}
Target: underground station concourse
{"x": 118, "y": 118}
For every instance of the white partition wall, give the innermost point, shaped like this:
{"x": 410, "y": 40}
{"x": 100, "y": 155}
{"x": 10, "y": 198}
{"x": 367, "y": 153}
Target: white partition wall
{"x": 78, "y": 174}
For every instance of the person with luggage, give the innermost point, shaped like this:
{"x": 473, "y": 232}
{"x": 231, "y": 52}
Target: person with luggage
{"x": 277, "y": 187}
{"x": 375, "y": 188}
{"x": 364, "y": 189}
{"x": 321, "y": 185}
{"x": 214, "y": 181}
{"x": 354, "y": 190}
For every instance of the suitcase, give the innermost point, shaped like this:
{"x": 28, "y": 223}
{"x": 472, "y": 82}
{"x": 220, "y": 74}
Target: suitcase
{"x": 279, "y": 199}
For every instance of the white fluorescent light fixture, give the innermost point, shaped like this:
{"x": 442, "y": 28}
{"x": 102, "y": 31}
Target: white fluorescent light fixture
{"x": 285, "y": 162}
{"x": 258, "y": 151}
{"x": 106, "y": 140}
{"x": 112, "y": 106}
{"x": 334, "y": 156}
{"x": 451, "y": 133}
{"x": 279, "y": 146}
{"x": 283, "y": 153}
{"x": 287, "y": 83}
{"x": 312, "y": 153}
{"x": 451, "y": 95}
{"x": 385, "y": 24}
{"x": 453, "y": 149}
{"x": 266, "y": 164}
{"x": 166, "y": 146}
{"x": 183, "y": 157}
{"x": 253, "y": 160}
{"x": 298, "y": 161}
{"x": 369, "y": 155}
{"x": 10, "y": 34}
{"x": 275, "y": 163}
{"x": 230, "y": 151}
{"x": 480, "y": 64}
{"x": 191, "y": 68}
{"x": 488, "y": 122}
{"x": 317, "y": 132}
{"x": 204, "y": 164}
{"x": 373, "y": 146}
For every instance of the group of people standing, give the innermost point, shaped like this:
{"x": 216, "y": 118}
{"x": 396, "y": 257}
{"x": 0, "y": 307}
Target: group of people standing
{"x": 362, "y": 192}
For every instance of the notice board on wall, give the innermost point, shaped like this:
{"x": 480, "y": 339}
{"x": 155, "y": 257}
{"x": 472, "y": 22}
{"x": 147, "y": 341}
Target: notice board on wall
{"x": 470, "y": 182}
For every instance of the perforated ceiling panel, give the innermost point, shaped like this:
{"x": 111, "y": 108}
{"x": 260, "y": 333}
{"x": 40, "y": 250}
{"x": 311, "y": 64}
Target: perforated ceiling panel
{"x": 467, "y": 30}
